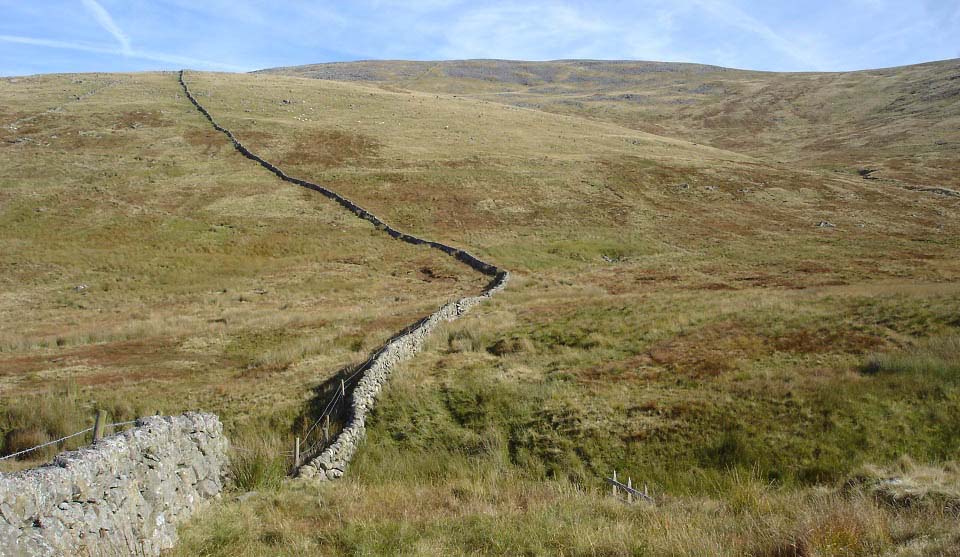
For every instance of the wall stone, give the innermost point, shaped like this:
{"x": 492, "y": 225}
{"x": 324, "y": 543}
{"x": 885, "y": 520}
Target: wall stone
{"x": 124, "y": 495}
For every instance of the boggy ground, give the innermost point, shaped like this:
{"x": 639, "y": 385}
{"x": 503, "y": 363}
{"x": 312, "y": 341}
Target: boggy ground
{"x": 678, "y": 313}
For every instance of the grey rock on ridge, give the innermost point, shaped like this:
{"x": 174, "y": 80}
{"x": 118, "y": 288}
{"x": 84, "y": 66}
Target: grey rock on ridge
{"x": 125, "y": 495}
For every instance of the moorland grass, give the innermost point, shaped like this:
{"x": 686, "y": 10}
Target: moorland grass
{"x": 676, "y": 314}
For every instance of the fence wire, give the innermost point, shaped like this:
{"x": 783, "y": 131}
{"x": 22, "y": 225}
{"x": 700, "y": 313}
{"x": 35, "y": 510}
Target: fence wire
{"x": 62, "y": 439}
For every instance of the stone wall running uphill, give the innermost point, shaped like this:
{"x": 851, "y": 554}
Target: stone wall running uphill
{"x": 333, "y": 459}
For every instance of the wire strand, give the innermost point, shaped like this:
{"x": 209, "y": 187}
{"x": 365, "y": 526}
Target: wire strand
{"x": 47, "y": 444}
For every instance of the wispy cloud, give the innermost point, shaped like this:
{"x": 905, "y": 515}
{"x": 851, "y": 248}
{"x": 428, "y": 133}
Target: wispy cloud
{"x": 756, "y": 34}
{"x": 506, "y": 30}
{"x": 732, "y": 15}
{"x": 106, "y": 21}
{"x": 182, "y": 61}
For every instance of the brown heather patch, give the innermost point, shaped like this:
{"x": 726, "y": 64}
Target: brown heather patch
{"x": 768, "y": 281}
{"x": 813, "y": 267}
{"x": 712, "y": 286}
{"x": 633, "y": 370}
{"x": 710, "y": 351}
{"x": 720, "y": 347}
{"x": 137, "y": 355}
{"x": 327, "y": 148}
{"x": 429, "y": 275}
{"x": 17, "y": 365}
{"x": 825, "y": 340}
{"x": 111, "y": 377}
{"x": 627, "y": 280}
{"x": 134, "y": 119}
{"x": 209, "y": 139}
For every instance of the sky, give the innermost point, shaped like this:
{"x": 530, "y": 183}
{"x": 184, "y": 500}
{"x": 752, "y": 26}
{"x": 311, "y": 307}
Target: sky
{"x": 44, "y": 36}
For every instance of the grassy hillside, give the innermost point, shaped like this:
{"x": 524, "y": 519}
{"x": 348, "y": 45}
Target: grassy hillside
{"x": 680, "y": 312}
{"x": 677, "y": 314}
{"x": 901, "y": 122}
{"x": 148, "y": 267}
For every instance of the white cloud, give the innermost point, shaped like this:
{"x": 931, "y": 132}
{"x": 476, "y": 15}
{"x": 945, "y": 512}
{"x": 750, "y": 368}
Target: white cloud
{"x": 133, "y": 53}
{"x": 106, "y": 21}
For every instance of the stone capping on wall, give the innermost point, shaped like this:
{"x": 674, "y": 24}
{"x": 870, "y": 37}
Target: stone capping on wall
{"x": 124, "y": 495}
{"x": 333, "y": 460}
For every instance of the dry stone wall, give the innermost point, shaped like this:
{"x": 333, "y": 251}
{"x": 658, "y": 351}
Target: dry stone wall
{"x": 124, "y": 495}
{"x": 334, "y": 458}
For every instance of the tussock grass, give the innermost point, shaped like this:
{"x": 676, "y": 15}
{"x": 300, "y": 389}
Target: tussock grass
{"x": 36, "y": 419}
{"x": 257, "y": 458}
{"x": 907, "y": 484}
{"x": 488, "y": 510}
{"x": 937, "y": 357}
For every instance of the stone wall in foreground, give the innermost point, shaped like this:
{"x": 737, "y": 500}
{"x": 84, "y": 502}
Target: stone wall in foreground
{"x": 124, "y": 495}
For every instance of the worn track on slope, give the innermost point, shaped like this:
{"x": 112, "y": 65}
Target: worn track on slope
{"x": 370, "y": 376}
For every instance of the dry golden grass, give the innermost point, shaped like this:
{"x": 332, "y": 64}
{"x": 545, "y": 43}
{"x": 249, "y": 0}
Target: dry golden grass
{"x": 675, "y": 314}
{"x": 900, "y": 122}
{"x": 138, "y": 263}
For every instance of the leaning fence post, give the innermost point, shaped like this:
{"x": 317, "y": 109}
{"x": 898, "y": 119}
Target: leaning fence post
{"x": 97, "y": 425}
{"x": 343, "y": 389}
{"x": 296, "y": 453}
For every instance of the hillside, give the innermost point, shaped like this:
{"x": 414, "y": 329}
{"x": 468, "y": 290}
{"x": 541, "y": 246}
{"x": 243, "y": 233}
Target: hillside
{"x": 148, "y": 267}
{"x": 770, "y": 346}
{"x": 901, "y": 122}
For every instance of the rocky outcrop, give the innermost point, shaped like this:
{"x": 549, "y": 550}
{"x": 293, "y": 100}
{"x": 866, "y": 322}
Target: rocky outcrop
{"x": 124, "y": 495}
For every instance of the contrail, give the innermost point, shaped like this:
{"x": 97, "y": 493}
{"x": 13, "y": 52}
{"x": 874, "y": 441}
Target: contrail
{"x": 103, "y": 18}
{"x": 173, "y": 60}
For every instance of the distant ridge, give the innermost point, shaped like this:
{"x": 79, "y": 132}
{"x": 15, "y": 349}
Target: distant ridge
{"x": 903, "y": 123}
{"x": 505, "y": 71}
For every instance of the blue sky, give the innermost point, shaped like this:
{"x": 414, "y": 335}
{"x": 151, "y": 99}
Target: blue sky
{"x": 40, "y": 36}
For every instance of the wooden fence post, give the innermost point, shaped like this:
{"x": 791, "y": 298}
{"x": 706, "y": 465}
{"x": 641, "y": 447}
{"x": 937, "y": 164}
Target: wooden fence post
{"x": 97, "y": 425}
{"x": 296, "y": 453}
{"x": 613, "y": 487}
{"x": 326, "y": 428}
{"x": 629, "y": 490}
{"x": 343, "y": 389}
